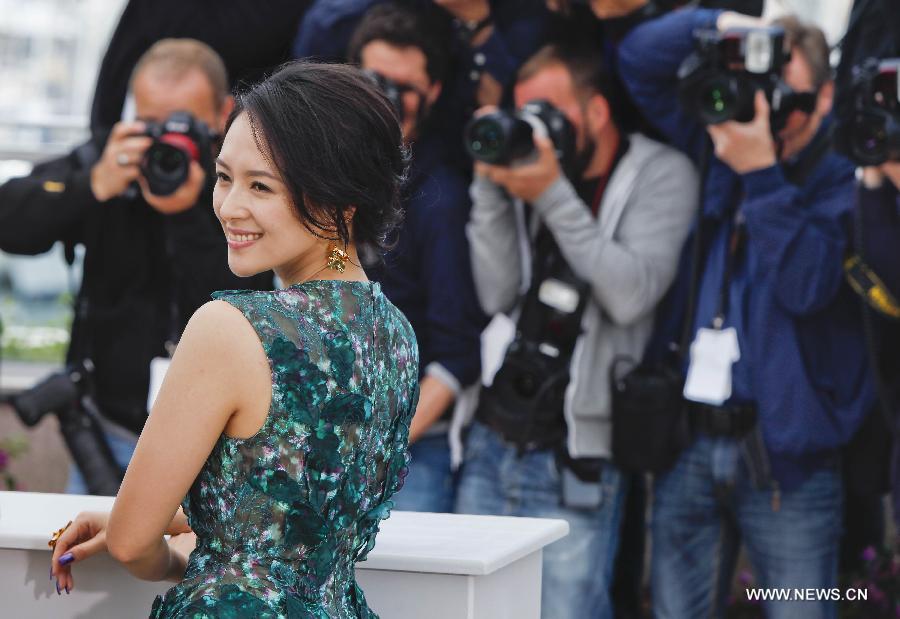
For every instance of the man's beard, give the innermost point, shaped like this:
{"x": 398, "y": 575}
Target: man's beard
{"x": 582, "y": 158}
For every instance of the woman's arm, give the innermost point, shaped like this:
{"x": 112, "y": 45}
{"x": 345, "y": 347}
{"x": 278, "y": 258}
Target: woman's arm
{"x": 207, "y": 382}
{"x": 86, "y": 536}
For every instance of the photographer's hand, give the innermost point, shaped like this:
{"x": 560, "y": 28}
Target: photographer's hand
{"x": 530, "y": 180}
{"x": 120, "y": 163}
{"x": 466, "y": 10}
{"x": 746, "y": 147}
{"x": 873, "y": 176}
{"x": 891, "y": 169}
{"x": 184, "y": 197}
{"x": 730, "y": 19}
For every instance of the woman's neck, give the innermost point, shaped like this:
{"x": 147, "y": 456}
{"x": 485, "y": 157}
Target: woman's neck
{"x": 319, "y": 268}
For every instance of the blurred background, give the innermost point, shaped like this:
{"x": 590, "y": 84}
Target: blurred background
{"x": 50, "y": 52}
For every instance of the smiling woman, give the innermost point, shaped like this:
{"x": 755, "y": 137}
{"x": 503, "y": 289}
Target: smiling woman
{"x": 282, "y": 425}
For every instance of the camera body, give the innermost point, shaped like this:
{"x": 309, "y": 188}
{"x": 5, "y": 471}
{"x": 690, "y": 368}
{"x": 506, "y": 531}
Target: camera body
{"x": 718, "y": 82}
{"x": 506, "y": 137}
{"x": 390, "y": 89}
{"x": 177, "y": 141}
{"x": 868, "y": 129}
{"x": 525, "y": 401}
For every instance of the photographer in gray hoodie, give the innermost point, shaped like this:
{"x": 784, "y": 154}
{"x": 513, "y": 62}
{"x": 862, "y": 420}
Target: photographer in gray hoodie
{"x": 576, "y": 254}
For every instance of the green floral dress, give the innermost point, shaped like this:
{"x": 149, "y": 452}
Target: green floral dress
{"x": 282, "y": 517}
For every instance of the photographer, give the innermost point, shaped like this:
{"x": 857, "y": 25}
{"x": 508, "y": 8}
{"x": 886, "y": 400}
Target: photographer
{"x": 879, "y": 205}
{"x": 869, "y": 131}
{"x": 490, "y": 39}
{"x": 153, "y": 254}
{"x": 868, "y": 114}
{"x": 581, "y": 268}
{"x": 778, "y": 378}
{"x": 250, "y": 36}
{"x": 427, "y": 275}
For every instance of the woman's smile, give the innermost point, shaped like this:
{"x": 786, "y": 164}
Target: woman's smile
{"x": 239, "y": 239}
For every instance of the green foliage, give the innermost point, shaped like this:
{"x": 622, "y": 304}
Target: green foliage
{"x": 10, "y": 448}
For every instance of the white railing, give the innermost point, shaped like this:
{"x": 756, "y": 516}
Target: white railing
{"x": 38, "y": 138}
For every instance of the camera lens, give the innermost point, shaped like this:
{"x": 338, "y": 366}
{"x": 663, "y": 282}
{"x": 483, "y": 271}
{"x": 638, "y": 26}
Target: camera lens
{"x": 486, "y": 139}
{"x": 165, "y": 160}
{"x": 526, "y": 385}
{"x": 717, "y": 101}
{"x": 869, "y": 139}
{"x": 498, "y": 138}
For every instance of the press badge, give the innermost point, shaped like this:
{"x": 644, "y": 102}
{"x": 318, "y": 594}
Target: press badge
{"x": 158, "y": 368}
{"x": 713, "y": 353}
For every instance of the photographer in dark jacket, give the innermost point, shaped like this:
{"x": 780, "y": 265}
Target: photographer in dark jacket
{"x": 781, "y": 377}
{"x": 427, "y": 275}
{"x": 491, "y": 39}
{"x": 879, "y": 204}
{"x": 872, "y": 38}
{"x": 150, "y": 260}
{"x": 250, "y": 36}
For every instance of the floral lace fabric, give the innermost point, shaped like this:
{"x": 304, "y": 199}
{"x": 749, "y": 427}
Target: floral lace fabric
{"x": 282, "y": 517}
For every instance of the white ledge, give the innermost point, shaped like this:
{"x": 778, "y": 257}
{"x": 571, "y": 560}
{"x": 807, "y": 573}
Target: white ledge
{"x": 408, "y": 541}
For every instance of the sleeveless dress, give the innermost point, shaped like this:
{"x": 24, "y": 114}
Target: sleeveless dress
{"x": 282, "y": 517}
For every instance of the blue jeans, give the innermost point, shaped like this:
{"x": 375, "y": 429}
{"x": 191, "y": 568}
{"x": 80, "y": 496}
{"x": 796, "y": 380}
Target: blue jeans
{"x": 122, "y": 449}
{"x": 577, "y": 570}
{"x": 705, "y": 506}
{"x": 431, "y": 484}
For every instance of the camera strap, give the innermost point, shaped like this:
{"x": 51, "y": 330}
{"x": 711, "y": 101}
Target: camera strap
{"x": 796, "y": 174}
{"x": 736, "y": 241}
{"x": 173, "y": 333}
{"x": 866, "y": 283}
{"x": 549, "y": 262}
{"x": 884, "y": 404}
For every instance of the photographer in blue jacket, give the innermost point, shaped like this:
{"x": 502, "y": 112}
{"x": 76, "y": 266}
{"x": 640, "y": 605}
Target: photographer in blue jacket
{"x": 777, "y": 378}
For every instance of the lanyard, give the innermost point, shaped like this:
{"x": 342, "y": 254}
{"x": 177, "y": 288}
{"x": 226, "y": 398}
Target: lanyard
{"x": 735, "y": 247}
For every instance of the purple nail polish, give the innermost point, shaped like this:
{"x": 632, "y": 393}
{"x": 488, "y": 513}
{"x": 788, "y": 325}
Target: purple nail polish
{"x": 67, "y": 590}
{"x": 51, "y": 572}
{"x": 57, "y": 588}
{"x": 66, "y": 559}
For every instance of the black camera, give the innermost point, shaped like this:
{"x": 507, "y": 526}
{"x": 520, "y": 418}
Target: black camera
{"x": 68, "y": 394}
{"x": 390, "y": 89}
{"x": 868, "y": 129}
{"x": 177, "y": 141}
{"x": 718, "y": 82}
{"x": 525, "y": 401}
{"x": 505, "y": 137}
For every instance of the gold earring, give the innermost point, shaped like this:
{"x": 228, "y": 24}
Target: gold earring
{"x": 337, "y": 258}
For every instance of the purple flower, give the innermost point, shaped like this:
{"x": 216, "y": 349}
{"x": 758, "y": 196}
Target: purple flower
{"x": 4, "y": 459}
{"x": 869, "y": 554}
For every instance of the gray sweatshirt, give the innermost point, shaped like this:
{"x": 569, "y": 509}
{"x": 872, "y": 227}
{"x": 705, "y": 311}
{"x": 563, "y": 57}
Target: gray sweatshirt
{"x": 628, "y": 254}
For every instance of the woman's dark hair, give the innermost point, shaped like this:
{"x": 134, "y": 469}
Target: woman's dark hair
{"x": 336, "y": 142}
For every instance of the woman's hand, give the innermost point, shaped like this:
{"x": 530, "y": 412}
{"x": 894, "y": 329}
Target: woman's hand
{"x": 181, "y": 547}
{"x": 85, "y": 537}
